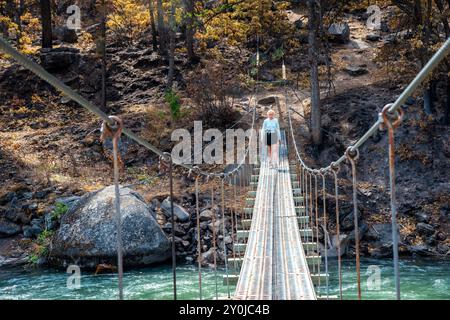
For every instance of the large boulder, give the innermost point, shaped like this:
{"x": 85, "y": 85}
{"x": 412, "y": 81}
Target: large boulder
{"x": 65, "y": 34}
{"x": 178, "y": 211}
{"x": 339, "y": 33}
{"x": 425, "y": 229}
{"x": 59, "y": 59}
{"x": 8, "y": 229}
{"x": 88, "y": 232}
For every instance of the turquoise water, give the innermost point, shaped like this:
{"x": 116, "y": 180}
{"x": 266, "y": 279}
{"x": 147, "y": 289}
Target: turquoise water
{"x": 420, "y": 279}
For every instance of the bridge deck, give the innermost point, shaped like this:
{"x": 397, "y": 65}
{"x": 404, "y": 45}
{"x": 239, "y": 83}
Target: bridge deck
{"x": 274, "y": 266}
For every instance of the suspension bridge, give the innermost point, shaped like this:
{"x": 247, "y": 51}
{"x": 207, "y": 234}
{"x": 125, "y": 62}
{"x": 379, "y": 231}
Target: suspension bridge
{"x": 276, "y": 252}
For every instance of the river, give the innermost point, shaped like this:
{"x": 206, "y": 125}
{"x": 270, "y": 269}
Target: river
{"x": 420, "y": 279}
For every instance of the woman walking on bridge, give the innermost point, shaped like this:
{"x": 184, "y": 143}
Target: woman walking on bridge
{"x": 271, "y": 134}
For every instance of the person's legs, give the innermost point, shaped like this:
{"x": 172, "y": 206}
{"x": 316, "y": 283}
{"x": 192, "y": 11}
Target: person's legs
{"x": 269, "y": 147}
{"x": 275, "y": 154}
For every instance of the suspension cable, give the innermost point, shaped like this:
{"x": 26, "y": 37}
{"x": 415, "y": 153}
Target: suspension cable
{"x": 317, "y": 226}
{"x": 116, "y": 131}
{"x": 310, "y": 213}
{"x": 325, "y": 241}
{"x": 335, "y": 170}
{"x": 392, "y": 121}
{"x": 353, "y": 155}
{"x": 232, "y": 227}
{"x": 213, "y": 220}
{"x": 235, "y": 213}
{"x": 223, "y": 235}
{"x": 199, "y": 241}
{"x": 305, "y": 200}
{"x": 165, "y": 159}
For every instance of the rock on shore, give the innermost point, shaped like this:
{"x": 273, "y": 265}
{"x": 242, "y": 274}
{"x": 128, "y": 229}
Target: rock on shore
{"x": 87, "y": 235}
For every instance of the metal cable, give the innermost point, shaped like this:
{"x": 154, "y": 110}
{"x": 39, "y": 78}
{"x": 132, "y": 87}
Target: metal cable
{"x": 168, "y": 163}
{"x": 310, "y": 213}
{"x": 116, "y": 131}
{"x": 213, "y": 220}
{"x": 392, "y": 121}
{"x": 335, "y": 170}
{"x": 325, "y": 241}
{"x": 352, "y": 155}
{"x": 223, "y": 237}
{"x": 199, "y": 243}
{"x": 232, "y": 212}
{"x": 317, "y": 227}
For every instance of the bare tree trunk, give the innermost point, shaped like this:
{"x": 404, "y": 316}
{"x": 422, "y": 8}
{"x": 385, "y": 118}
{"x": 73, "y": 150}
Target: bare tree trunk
{"x": 190, "y": 29}
{"x": 46, "y": 21}
{"x": 447, "y": 107}
{"x": 161, "y": 28}
{"x": 427, "y": 99}
{"x": 153, "y": 25}
{"x": 313, "y": 52}
{"x": 7, "y": 10}
{"x": 171, "y": 46}
{"x": 103, "y": 48}
{"x": 446, "y": 25}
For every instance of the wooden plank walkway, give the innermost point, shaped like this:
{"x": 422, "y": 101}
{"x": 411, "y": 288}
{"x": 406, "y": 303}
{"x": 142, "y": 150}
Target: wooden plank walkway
{"x": 274, "y": 266}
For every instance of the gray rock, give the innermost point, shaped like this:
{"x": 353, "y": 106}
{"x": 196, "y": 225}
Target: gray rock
{"x": 422, "y": 217}
{"x": 206, "y": 215}
{"x": 49, "y": 222}
{"x": 8, "y": 229}
{"x": 65, "y": 34}
{"x": 424, "y": 229}
{"x": 68, "y": 201}
{"x": 59, "y": 59}
{"x": 339, "y": 33}
{"x": 42, "y": 193}
{"x": 441, "y": 236}
{"x": 8, "y": 197}
{"x": 32, "y": 231}
{"x": 208, "y": 256}
{"x": 383, "y": 251}
{"x": 442, "y": 248}
{"x": 298, "y": 24}
{"x": 356, "y": 71}
{"x": 228, "y": 240}
{"x": 12, "y": 262}
{"x": 267, "y": 101}
{"x": 266, "y": 75}
{"x": 373, "y": 37}
{"x": 179, "y": 211}
{"x": 420, "y": 249}
{"x": 87, "y": 235}
{"x": 362, "y": 229}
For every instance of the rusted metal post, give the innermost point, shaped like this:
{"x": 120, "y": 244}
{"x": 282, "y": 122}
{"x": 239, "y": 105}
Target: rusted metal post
{"x": 116, "y": 131}
{"x": 392, "y": 121}
{"x": 353, "y": 155}
{"x": 335, "y": 170}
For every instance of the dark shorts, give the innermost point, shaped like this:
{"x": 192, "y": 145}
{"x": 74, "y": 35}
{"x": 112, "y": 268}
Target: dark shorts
{"x": 271, "y": 138}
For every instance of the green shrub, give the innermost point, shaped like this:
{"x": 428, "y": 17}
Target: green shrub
{"x": 174, "y": 103}
{"x": 60, "y": 209}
